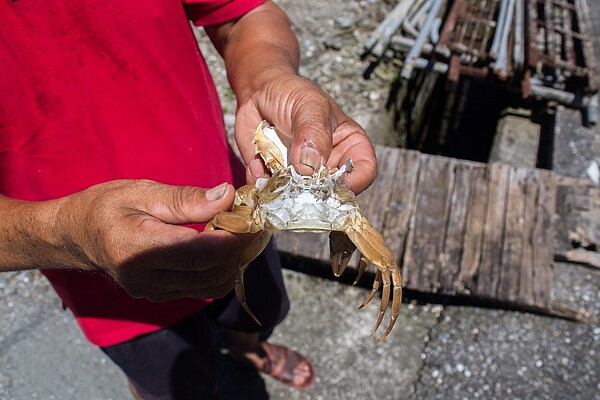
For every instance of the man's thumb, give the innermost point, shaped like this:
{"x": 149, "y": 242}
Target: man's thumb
{"x": 192, "y": 205}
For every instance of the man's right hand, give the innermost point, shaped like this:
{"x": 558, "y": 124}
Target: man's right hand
{"x": 135, "y": 231}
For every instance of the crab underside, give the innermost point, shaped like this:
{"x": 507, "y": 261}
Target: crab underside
{"x": 314, "y": 203}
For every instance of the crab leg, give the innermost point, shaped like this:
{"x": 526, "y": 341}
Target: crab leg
{"x": 249, "y": 254}
{"x": 376, "y": 285}
{"x": 371, "y": 245}
{"x": 362, "y": 266}
{"x": 385, "y": 299}
{"x": 340, "y": 249}
{"x": 397, "y": 285}
{"x": 240, "y": 223}
{"x": 240, "y": 292}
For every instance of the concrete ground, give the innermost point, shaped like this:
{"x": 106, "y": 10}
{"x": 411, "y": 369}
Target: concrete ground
{"x": 435, "y": 352}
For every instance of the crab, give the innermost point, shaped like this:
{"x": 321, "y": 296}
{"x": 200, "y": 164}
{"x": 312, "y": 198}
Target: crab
{"x": 289, "y": 201}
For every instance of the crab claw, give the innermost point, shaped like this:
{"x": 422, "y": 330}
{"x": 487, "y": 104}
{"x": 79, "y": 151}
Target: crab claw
{"x": 341, "y": 249}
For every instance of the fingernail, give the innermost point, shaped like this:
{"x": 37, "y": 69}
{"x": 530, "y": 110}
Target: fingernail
{"x": 216, "y": 193}
{"x": 309, "y": 156}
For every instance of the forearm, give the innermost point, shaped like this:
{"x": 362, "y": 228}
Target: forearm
{"x": 261, "y": 55}
{"x": 30, "y": 237}
{"x": 136, "y": 231}
{"x": 256, "y": 47}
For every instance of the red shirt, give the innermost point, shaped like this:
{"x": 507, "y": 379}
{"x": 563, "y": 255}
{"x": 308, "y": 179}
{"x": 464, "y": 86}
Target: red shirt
{"x": 97, "y": 91}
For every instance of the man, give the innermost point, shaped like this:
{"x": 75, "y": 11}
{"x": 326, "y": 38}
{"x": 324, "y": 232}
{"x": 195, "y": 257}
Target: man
{"x": 100, "y": 102}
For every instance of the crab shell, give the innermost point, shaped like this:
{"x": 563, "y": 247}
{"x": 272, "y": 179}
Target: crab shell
{"x": 313, "y": 203}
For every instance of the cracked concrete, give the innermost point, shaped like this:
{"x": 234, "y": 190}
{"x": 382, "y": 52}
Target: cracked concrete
{"x": 434, "y": 352}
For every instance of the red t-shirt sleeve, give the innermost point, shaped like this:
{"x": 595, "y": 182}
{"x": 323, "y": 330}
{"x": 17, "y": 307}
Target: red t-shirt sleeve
{"x": 210, "y": 12}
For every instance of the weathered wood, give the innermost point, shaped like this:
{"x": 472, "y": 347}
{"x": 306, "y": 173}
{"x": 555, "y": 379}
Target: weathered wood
{"x": 515, "y": 237}
{"x": 528, "y": 265}
{"x": 428, "y": 228}
{"x": 306, "y": 244}
{"x": 313, "y": 245}
{"x": 470, "y": 229}
{"x": 563, "y": 311}
{"x": 491, "y": 256}
{"x": 374, "y": 202}
{"x": 578, "y": 212}
{"x": 474, "y": 233}
{"x": 560, "y": 180}
{"x": 544, "y": 241}
{"x": 287, "y": 242}
{"x": 456, "y": 227}
{"x": 402, "y": 198}
{"x": 581, "y": 256}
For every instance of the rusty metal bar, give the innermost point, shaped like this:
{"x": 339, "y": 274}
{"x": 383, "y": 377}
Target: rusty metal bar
{"x": 532, "y": 32}
{"x": 458, "y": 10}
{"x": 483, "y": 27}
{"x": 549, "y": 30}
{"x": 474, "y": 29}
{"x": 587, "y": 47}
{"x": 568, "y": 34}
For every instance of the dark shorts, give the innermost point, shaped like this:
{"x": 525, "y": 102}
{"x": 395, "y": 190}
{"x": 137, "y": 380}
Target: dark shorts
{"x": 179, "y": 362}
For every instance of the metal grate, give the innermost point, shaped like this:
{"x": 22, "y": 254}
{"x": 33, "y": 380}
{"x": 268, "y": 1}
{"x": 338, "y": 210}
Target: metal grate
{"x": 541, "y": 48}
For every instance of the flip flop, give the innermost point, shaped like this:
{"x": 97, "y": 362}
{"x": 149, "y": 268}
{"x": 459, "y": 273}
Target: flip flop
{"x": 282, "y": 363}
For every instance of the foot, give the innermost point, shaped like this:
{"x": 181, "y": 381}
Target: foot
{"x": 282, "y": 363}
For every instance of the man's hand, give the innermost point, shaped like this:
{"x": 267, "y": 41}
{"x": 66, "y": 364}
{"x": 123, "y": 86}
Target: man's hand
{"x": 261, "y": 57}
{"x": 132, "y": 230}
{"x": 312, "y": 123}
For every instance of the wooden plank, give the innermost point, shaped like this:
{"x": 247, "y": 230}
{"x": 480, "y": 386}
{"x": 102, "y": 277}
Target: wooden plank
{"x": 459, "y": 227}
{"x": 286, "y": 242}
{"x": 544, "y": 241}
{"x": 527, "y": 275}
{"x": 576, "y": 228}
{"x": 456, "y": 227}
{"x": 582, "y": 256}
{"x": 514, "y": 236}
{"x": 490, "y": 267}
{"x": 474, "y": 232}
{"x": 561, "y": 180}
{"x": 303, "y": 244}
{"x": 313, "y": 245}
{"x": 402, "y": 198}
{"x": 428, "y": 228}
{"x": 374, "y": 202}
{"x": 578, "y": 211}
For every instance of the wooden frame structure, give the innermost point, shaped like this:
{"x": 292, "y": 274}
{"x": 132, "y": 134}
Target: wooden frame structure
{"x": 460, "y": 228}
